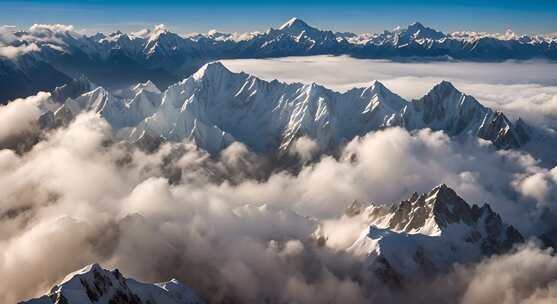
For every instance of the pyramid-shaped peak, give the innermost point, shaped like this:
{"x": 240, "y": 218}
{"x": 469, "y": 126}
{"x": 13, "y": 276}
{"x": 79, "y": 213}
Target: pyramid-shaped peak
{"x": 294, "y": 23}
{"x": 386, "y": 96}
{"x": 378, "y": 84}
{"x": 210, "y": 69}
{"x": 376, "y": 87}
{"x": 442, "y": 188}
{"x": 448, "y": 206}
{"x": 444, "y": 87}
{"x": 444, "y": 194}
{"x": 296, "y": 26}
{"x": 380, "y": 88}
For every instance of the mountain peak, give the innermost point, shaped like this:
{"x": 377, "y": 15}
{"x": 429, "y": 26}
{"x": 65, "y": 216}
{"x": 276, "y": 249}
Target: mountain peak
{"x": 293, "y": 23}
{"x": 417, "y": 30}
{"x": 211, "y": 68}
{"x": 296, "y": 26}
{"x": 378, "y": 84}
{"x": 446, "y": 206}
{"x": 94, "y": 284}
{"x": 386, "y": 96}
{"x": 443, "y": 88}
{"x": 441, "y": 189}
{"x": 503, "y": 133}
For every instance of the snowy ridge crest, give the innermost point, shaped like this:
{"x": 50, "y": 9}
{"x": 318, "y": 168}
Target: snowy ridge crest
{"x": 94, "y": 284}
{"x": 215, "y": 107}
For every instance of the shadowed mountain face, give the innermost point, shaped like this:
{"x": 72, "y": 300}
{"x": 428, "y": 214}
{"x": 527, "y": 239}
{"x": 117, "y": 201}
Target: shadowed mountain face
{"x": 215, "y": 107}
{"x": 117, "y": 59}
{"x": 27, "y": 76}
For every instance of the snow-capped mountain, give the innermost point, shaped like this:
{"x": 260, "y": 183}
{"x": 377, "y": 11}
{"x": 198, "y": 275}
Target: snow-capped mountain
{"x": 423, "y": 235}
{"x": 445, "y": 108}
{"x": 120, "y": 59}
{"x": 215, "y": 107}
{"x": 96, "y": 285}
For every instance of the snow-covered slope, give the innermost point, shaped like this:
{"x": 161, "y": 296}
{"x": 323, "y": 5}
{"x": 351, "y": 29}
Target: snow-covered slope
{"x": 95, "y": 285}
{"x": 423, "y": 235}
{"x": 215, "y": 106}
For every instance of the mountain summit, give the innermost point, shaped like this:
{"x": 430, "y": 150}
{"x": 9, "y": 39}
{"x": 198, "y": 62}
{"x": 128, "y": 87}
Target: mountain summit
{"x": 95, "y": 285}
{"x": 293, "y": 24}
{"x": 296, "y": 26}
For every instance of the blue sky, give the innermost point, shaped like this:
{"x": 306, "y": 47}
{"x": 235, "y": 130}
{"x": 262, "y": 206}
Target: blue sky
{"x": 532, "y": 16}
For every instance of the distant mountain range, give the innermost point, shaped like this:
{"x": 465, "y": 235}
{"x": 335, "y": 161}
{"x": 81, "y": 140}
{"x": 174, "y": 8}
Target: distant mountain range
{"x": 215, "y": 107}
{"x": 51, "y": 54}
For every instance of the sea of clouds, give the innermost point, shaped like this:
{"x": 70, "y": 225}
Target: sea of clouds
{"x": 237, "y": 229}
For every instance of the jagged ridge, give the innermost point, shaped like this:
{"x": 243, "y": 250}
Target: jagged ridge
{"x": 426, "y": 234}
{"x": 215, "y": 106}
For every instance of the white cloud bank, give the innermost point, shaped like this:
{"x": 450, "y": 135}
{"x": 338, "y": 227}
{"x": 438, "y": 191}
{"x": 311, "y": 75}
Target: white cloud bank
{"x": 76, "y": 198}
